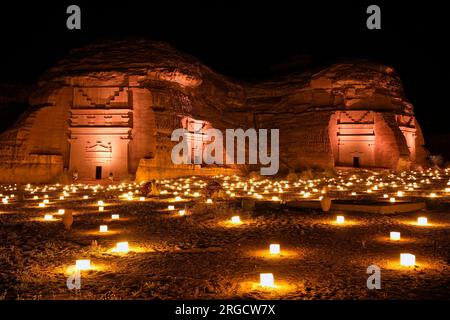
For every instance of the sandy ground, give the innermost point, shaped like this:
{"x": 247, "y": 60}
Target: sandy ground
{"x": 203, "y": 256}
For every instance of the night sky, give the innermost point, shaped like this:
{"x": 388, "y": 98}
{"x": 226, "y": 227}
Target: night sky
{"x": 247, "y": 40}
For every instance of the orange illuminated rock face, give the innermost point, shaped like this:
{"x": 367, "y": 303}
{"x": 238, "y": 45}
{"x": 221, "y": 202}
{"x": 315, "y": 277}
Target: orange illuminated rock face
{"x": 111, "y": 108}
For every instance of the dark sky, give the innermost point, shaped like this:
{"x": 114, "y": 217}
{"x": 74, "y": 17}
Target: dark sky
{"x": 245, "y": 39}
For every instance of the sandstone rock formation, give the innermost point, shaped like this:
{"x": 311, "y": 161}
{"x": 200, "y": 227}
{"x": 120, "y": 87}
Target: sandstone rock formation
{"x": 111, "y": 108}
{"x": 13, "y": 102}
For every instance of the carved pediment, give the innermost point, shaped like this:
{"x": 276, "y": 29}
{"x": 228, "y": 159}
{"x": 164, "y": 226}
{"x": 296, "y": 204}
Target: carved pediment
{"x": 98, "y": 147}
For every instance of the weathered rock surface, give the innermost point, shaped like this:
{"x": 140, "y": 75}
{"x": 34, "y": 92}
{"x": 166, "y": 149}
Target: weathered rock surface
{"x": 114, "y": 105}
{"x": 13, "y": 102}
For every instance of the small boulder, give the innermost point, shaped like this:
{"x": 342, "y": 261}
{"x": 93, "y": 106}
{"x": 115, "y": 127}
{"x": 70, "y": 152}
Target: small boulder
{"x": 67, "y": 219}
{"x": 325, "y": 203}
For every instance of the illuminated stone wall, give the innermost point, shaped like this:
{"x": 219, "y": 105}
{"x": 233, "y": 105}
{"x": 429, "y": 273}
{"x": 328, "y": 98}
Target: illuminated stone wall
{"x": 115, "y": 105}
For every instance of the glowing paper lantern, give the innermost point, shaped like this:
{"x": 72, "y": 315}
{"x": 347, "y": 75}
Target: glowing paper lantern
{"x": 209, "y": 201}
{"x": 275, "y": 198}
{"x": 235, "y": 219}
{"x": 85, "y": 197}
{"x": 46, "y": 201}
{"x": 340, "y": 219}
{"x": 422, "y": 221}
{"x": 182, "y": 212}
{"x": 103, "y": 228}
{"x": 101, "y": 208}
{"x": 395, "y": 235}
{"x": 48, "y": 217}
{"x": 5, "y": 201}
{"x": 83, "y": 264}
{"x": 115, "y": 217}
{"x": 392, "y": 200}
{"x": 61, "y": 198}
{"x": 122, "y": 247}
{"x": 171, "y": 207}
{"x": 274, "y": 249}
{"x": 61, "y": 211}
{"x": 407, "y": 259}
{"x": 266, "y": 280}
{"x": 177, "y": 198}
{"x": 100, "y": 203}
{"x": 141, "y": 199}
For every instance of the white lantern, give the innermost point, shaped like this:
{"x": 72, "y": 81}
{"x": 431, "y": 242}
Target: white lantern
{"x": 48, "y": 217}
{"x": 103, "y": 228}
{"x": 266, "y": 280}
{"x": 235, "y": 219}
{"x": 340, "y": 219}
{"x": 83, "y": 264}
{"x": 182, "y": 212}
{"x": 422, "y": 221}
{"x": 407, "y": 259}
{"x": 115, "y": 217}
{"x": 392, "y": 200}
{"x": 61, "y": 211}
{"x": 274, "y": 249}
{"x": 46, "y": 201}
{"x": 141, "y": 199}
{"x": 171, "y": 208}
{"x": 101, "y": 208}
{"x": 122, "y": 247}
{"x": 100, "y": 203}
{"x": 395, "y": 235}
{"x": 209, "y": 201}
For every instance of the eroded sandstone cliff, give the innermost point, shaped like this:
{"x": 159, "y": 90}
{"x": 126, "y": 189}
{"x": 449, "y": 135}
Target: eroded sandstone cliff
{"x": 120, "y": 101}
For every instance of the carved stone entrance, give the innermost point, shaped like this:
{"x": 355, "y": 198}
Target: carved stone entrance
{"x": 100, "y": 132}
{"x": 355, "y": 138}
{"x": 105, "y": 150}
{"x": 98, "y": 172}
